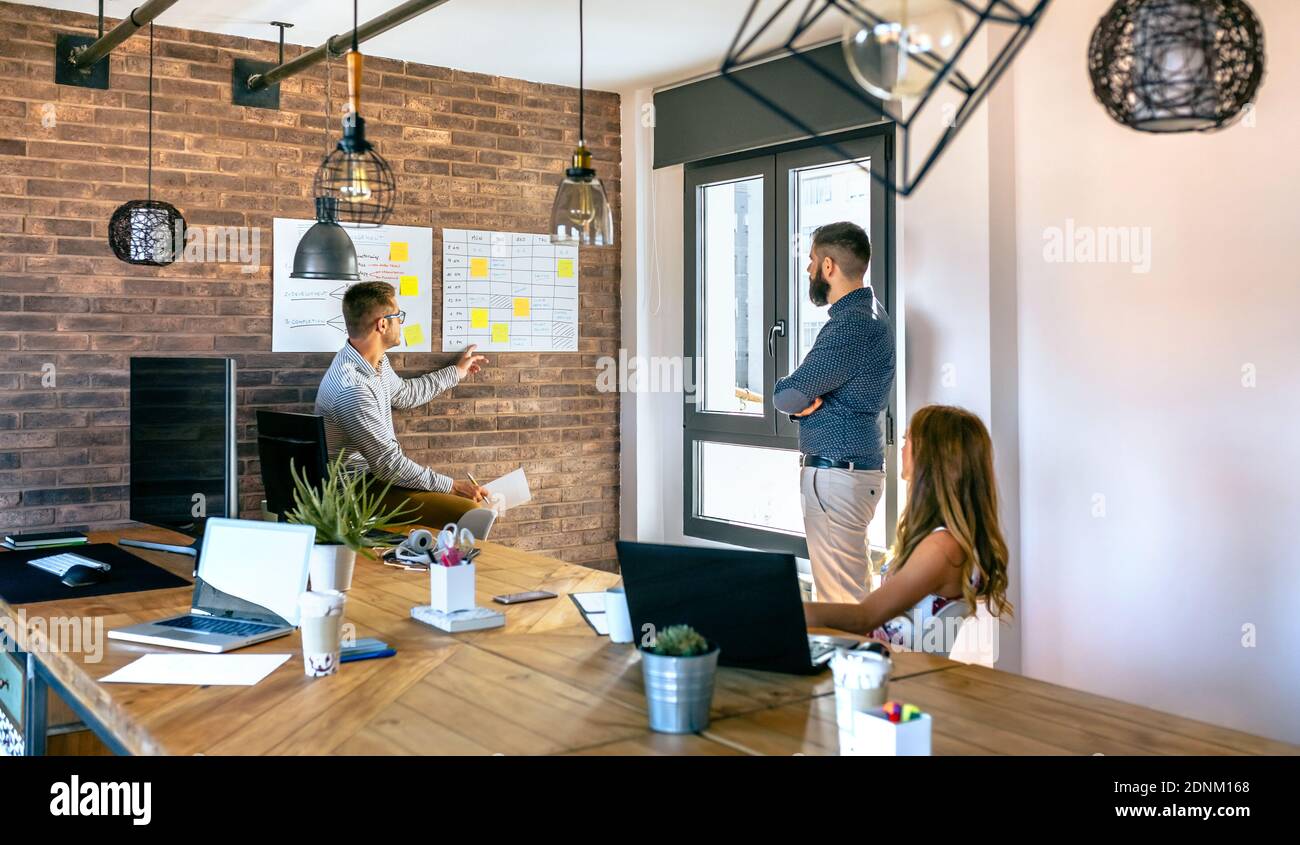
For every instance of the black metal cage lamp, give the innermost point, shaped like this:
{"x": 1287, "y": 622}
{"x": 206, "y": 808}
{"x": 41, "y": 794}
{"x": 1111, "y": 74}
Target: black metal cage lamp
{"x": 353, "y": 173}
{"x": 1177, "y": 65}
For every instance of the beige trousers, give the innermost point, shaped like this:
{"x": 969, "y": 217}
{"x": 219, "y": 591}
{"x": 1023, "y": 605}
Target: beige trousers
{"x": 838, "y": 505}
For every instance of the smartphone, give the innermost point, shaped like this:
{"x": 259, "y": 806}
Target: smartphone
{"x": 520, "y": 598}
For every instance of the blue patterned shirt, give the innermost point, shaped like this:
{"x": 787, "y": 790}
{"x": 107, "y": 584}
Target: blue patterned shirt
{"x": 851, "y": 367}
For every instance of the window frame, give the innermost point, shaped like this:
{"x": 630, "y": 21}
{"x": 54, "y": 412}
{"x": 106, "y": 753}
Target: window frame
{"x": 778, "y": 165}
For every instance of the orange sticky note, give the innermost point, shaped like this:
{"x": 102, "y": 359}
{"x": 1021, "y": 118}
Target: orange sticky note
{"x": 414, "y": 335}
{"x": 478, "y": 268}
{"x": 564, "y": 268}
{"x": 398, "y": 251}
{"x": 410, "y": 286}
{"x": 523, "y": 306}
{"x": 500, "y": 332}
{"x": 478, "y": 318}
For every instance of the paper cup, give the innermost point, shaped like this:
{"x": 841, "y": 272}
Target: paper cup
{"x": 617, "y": 616}
{"x": 861, "y": 684}
{"x": 321, "y": 624}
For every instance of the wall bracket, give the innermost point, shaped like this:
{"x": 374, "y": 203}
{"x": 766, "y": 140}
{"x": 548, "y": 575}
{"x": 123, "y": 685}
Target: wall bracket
{"x": 66, "y": 73}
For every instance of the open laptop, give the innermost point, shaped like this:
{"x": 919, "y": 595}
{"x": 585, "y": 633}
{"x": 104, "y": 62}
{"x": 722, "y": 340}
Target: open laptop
{"x": 747, "y": 602}
{"x": 251, "y": 574}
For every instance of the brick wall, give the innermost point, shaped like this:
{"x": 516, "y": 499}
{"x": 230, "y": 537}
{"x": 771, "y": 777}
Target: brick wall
{"x": 469, "y": 151}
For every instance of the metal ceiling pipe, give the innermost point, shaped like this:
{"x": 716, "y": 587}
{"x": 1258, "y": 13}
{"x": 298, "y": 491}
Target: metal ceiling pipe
{"x": 338, "y": 44}
{"x": 130, "y": 25}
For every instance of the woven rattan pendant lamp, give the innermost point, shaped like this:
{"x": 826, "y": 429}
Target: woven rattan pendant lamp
{"x": 147, "y": 231}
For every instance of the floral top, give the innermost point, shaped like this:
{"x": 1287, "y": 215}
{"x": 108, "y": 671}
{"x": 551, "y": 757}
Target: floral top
{"x": 937, "y": 634}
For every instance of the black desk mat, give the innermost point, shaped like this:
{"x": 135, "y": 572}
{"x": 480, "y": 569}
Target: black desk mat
{"x": 24, "y": 584}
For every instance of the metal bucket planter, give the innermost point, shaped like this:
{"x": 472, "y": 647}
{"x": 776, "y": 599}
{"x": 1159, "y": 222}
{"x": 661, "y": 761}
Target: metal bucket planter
{"x": 679, "y": 690}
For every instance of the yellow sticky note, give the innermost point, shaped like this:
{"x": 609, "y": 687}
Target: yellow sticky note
{"x": 522, "y": 306}
{"x": 478, "y": 318}
{"x": 478, "y": 268}
{"x": 564, "y": 268}
{"x": 398, "y": 251}
{"x": 414, "y": 335}
{"x": 410, "y": 286}
{"x": 500, "y": 332}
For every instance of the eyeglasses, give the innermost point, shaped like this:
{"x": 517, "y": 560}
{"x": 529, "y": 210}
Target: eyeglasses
{"x": 400, "y": 316}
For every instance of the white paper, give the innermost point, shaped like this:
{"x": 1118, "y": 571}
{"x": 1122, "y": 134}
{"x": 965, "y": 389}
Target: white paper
{"x": 591, "y": 602}
{"x": 307, "y": 314}
{"x": 513, "y": 487}
{"x": 598, "y": 622}
{"x": 508, "y": 292}
{"x": 232, "y": 670}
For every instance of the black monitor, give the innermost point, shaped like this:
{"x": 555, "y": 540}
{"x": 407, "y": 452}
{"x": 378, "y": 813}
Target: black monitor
{"x": 183, "y": 444}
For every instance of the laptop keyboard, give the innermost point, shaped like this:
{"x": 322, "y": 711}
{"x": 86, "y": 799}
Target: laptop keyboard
{"x": 205, "y": 625}
{"x": 819, "y": 649}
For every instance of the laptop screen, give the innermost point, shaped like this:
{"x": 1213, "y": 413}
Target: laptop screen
{"x": 249, "y": 567}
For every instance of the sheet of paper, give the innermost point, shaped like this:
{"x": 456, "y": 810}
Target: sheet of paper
{"x": 231, "y": 670}
{"x": 508, "y": 292}
{"x": 598, "y": 622}
{"x": 414, "y": 336}
{"x": 590, "y": 602}
{"x": 513, "y": 487}
{"x": 307, "y": 314}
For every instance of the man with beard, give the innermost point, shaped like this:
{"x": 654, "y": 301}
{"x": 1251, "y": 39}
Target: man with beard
{"x": 837, "y": 395}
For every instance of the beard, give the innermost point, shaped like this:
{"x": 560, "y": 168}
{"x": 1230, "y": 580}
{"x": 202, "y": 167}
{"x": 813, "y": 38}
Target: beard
{"x": 819, "y": 290}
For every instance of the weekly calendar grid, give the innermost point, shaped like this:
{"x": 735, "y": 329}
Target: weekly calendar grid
{"x": 508, "y": 292}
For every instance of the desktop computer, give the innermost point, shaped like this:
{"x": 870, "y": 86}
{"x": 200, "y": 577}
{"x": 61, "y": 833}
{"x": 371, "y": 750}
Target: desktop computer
{"x": 183, "y": 461}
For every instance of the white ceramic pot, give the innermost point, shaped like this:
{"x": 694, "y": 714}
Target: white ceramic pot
{"x": 331, "y": 567}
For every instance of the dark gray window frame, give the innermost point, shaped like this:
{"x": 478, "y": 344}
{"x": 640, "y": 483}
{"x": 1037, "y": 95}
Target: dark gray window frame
{"x": 772, "y": 430}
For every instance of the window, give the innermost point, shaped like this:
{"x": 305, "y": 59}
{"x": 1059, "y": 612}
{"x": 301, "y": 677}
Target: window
{"x": 749, "y": 223}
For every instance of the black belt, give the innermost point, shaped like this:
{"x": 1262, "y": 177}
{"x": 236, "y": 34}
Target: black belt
{"x": 818, "y": 462}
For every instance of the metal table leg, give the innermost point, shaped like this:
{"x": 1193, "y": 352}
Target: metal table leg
{"x": 35, "y": 701}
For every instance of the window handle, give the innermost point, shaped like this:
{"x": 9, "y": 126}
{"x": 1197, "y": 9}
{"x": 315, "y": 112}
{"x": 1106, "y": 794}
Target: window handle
{"x": 772, "y": 333}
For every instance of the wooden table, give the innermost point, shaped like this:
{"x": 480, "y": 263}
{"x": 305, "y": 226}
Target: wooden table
{"x": 546, "y": 684}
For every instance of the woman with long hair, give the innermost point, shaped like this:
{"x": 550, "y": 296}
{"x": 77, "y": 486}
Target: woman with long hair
{"x": 948, "y": 547}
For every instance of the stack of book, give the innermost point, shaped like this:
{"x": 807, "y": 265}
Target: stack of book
{"x": 49, "y": 540}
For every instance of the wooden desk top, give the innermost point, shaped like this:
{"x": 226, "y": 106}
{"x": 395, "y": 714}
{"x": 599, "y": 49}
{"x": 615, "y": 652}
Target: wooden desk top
{"x": 546, "y": 683}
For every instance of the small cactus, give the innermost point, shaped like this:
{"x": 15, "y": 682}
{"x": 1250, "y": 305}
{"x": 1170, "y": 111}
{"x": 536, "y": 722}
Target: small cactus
{"x": 680, "y": 641}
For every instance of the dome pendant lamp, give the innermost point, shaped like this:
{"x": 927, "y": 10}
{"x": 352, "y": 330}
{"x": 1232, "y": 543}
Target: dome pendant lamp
{"x": 325, "y": 251}
{"x": 147, "y": 231}
{"x": 581, "y": 214}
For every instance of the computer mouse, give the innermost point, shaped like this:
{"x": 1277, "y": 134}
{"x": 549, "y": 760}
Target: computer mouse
{"x": 83, "y": 576}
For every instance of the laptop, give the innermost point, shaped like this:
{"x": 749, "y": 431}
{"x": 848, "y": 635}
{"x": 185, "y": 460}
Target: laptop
{"x": 749, "y": 603}
{"x": 250, "y": 576}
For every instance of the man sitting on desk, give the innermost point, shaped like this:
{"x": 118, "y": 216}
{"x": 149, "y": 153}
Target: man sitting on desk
{"x": 357, "y": 397}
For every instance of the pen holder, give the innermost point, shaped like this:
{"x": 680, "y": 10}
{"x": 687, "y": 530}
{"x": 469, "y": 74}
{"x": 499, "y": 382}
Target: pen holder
{"x": 875, "y": 736}
{"x": 453, "y": 587}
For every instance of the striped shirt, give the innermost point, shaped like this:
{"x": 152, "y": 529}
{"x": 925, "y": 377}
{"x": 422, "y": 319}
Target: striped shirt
{"x": 851, "y": 368}
{"x": 357, "y": 404}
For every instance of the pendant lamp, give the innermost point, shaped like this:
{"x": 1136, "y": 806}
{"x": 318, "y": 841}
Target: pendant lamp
{"x": 355, "y": 174}
{"x": 147, "y": 231}
{"x": 581, "y": 213}
{"x": 326, "y": 251}
{"x": 1177, "y": 65}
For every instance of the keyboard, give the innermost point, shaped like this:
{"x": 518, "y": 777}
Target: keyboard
{"x": 206, "y": 625}
{"x": 60, "y": 564}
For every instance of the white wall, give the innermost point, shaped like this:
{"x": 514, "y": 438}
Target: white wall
{"x": 1093, "y": 380}
{"x": 1131, "y": 388}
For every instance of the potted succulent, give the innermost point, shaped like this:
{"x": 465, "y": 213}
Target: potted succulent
{"x": 678, "y": 669}
{"x": 343, "y": 509}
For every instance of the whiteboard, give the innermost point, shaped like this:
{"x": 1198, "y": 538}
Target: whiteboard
{"x": 307, "y": 314}
{"x": 508, "y": 292}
